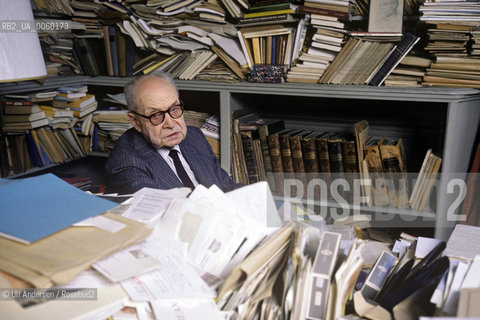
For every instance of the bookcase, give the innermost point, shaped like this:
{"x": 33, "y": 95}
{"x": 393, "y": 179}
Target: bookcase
{"x": 445, "y": 119}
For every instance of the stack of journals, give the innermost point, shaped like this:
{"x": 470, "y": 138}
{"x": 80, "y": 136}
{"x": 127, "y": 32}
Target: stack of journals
{"x": 365, "y": 61}
{"x": 210, "y": 11}
{"x": 111, "y": 125}
{"x": 453, "y": 72}
{"x": 265, "y": 12}
{"x": 83, "y": 105}
{"x": 409, "y": 72}
{"x": 111, "y": 121}
{"x": 448, "y": 39}
{"x": 56, "y": 128}
{"x": 41, "y": 251}
{"x": 331, "y": 24}
{"x": 57, "y": 47}
{"x": 21, "y": 115}
{"x": 58, "y": 117}
{"x": 464, "y": 12}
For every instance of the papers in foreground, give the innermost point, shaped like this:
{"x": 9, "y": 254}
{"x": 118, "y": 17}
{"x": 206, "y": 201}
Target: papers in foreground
{"x": 228, "y": 256}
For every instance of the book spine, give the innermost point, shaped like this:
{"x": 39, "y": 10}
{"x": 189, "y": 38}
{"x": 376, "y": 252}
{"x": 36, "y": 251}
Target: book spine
{"x": 250, "y": 158}
{"x": 257, "y": 147}
{"x": 6, "y": 166}
{"x": 121, "y": 53}
{"x": 395, "y": 173}
{"x": 262, "y": 136}
{"x": 297, "y": 160}
{"x": 323, "y": 158}
{"x": 112, "y": 38}
{"x": 349, "y": 154}
{"x": 276, "y": 160}
{"x": 286, "y": 154}
{"x": 33, "y": 151}
{"x": 310, "y": 157}
{"x": 262, "y": 19}
{"x": 331, "y": 13}
{"x": 17, "y": 103}
{"x": 335, "y": 155}
{"x": 87, "y": 58}
{"x": 375, "y": 171}
{"x": 400, "y": 51}
{"x": 267, "y": 13}
{"x": 350, "y": 165}
{"x": 108, "y": 52}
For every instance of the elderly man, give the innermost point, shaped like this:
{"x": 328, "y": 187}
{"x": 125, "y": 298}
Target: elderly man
{"x": 160, "y": 151}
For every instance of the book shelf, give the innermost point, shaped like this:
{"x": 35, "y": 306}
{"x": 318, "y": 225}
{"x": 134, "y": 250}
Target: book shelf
{"x": 446, "y": 119}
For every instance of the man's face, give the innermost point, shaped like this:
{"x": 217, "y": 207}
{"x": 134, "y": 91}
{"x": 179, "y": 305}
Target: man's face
{"x": 153, "y": 95}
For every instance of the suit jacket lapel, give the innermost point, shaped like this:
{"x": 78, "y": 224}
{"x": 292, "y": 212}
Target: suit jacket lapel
{"x": 202, "y": 172}
{"x": 163, "y": 170}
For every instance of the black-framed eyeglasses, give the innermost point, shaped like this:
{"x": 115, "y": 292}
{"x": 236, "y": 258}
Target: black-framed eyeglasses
{"x": 158, "y": 117}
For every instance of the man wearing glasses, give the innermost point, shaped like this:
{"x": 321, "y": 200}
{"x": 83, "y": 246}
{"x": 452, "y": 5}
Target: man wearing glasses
{"x": 160, "y": 151}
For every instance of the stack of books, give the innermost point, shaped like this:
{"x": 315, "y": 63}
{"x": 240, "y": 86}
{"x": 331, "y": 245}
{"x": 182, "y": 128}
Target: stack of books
{"x": 111, "y": 123}
{"x": 453, "y": 72}
{"x": 58, "y": 117}
{"x": 454, "y": 12}
{"x": 448, "y": 39}
{"x": 21, "y": 115}
{"x": 363, "y": 61}
{"x": 210, "y": 11}
{"x": 266, "y": 12}
{"x": 53, "y": 126}
{"x": 336, "y": 8}
{"x": 409, "y": 72}
{"x": 330, "y": 21}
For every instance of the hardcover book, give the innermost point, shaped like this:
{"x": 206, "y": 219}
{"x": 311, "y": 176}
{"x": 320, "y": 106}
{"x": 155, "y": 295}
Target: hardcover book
{"x": 400, "y": 51}
{"x": 394, "y": 168}
{"x": 263, "y": 132}
{"x": 276, "y": 159}
{"x": 286, "y": 152}
{"x": 297, "y": 156}
{"x": 375, "y": 172}
{"x": 310, "y": 154}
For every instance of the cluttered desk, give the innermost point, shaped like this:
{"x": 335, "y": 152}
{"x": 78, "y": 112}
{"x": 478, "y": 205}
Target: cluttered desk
{"x": 206, "y": 254}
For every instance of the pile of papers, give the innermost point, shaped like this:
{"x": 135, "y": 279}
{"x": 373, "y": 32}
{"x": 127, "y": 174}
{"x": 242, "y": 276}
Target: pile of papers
{"x": 176, "y": 253}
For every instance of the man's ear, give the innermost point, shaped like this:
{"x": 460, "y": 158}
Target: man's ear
{"x": 134, "y": 122}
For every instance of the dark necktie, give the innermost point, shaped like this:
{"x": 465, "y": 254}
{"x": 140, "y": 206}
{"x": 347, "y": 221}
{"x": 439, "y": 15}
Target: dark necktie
{"x": 182, "y": 174}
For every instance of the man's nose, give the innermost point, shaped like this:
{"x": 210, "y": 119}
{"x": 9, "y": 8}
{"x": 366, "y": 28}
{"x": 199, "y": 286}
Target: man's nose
{"x": 168, "y": 122}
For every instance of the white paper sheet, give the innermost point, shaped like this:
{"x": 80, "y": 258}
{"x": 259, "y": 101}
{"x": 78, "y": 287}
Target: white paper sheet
{"x": 175, "y": 279}
{"x": 148, "y": 204}
{"x": 103, "y": 223}
{"x": 464, "y": 242}
{"x": 127, "y": 263}
{"x": 186, "y": 310}
{"x": 425, "y": 245}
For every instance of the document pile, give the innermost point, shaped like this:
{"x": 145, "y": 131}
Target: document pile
{"x": 59, "y": 250}
{"x": 426, "y": 278}
{"x": 195, "y": 244}
{"x": 171, "y": 254}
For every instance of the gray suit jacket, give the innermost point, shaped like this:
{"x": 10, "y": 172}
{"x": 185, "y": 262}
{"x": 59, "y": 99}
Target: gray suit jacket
{"x": 134, "y": 164}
